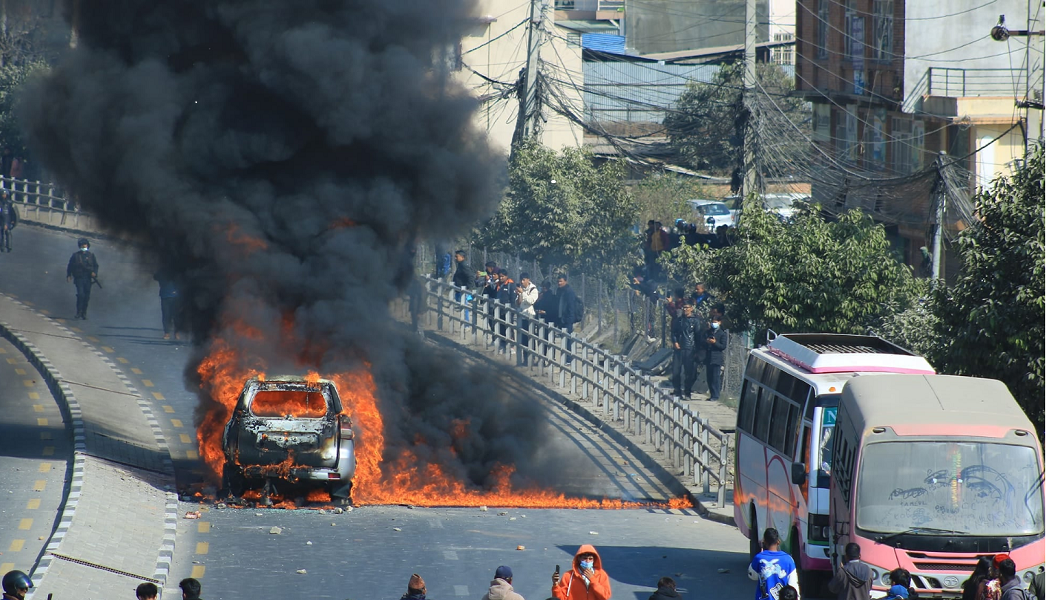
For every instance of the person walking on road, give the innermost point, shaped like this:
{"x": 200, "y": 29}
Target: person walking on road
{"x": 686, "y": 333}
{"x": 16, "y": 584}
{"x": 771, "y": 568}
{"x": 666, "y": 590}
{"x": 716, "y": 344}
{"x": 82, "y": 269}
{"x": 502, "y": 587}
{"x": 415, "y": 589}
{"x": 147, "y": 591}
{"x": 8, "y": 220}
{"x": 190, "y": 589}
{"x": 853, "y": 578}
{"x": 168, "y": 298}
{"x": 587, "y": 580}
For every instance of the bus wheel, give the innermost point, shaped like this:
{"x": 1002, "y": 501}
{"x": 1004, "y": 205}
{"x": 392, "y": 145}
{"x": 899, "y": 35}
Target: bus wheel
{"x": 755, "y": 543}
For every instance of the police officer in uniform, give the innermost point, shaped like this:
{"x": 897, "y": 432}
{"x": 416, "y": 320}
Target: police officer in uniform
{"x": 82, "y": 270}
{"x": 16, "y": 584}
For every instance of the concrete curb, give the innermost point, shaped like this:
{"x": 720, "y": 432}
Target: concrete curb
{"x": 68, "y": 404}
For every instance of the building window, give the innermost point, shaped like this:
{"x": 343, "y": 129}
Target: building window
{"x": 848, "y": 26}
{"x": 783, "y": 55}
{"x": 846, "y": 135}
{"x": 875, "y": 148}
{"x": 883, "y": 34}
{"x": 572, "y": 39}
{"x": 822, "y": 29}
{"x": 901, "y": 150}
{"x": 821, "y": 122}
{"x": 917, "y": 162}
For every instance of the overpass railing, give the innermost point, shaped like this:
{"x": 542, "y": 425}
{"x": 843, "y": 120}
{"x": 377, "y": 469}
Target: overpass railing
{"x": 42, "y": 203}
{"x": 589, "y": 372}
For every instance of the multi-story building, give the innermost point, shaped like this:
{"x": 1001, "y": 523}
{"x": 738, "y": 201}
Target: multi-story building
{"x": 894, "y": 83}
{"x": 491, "y": 59}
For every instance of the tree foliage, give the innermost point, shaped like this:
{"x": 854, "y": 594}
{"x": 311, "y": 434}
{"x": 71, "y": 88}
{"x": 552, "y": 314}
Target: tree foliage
{"x": 663, "y": 197}
{"x": 702, "y": 127}
{"x": 12, "y": 77}
{"x": 565, "y": 211}
{"x": 808, "y": 275}
{"x": 994, "y": 314}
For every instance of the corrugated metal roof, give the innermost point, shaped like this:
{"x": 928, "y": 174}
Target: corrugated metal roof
{"x": 637, "y": 92}
{"x": 603, "y": 42}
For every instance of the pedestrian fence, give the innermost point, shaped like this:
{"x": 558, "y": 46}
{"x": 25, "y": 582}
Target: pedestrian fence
{"x": 43, "y": 203}
{"x": 588, "y": 371}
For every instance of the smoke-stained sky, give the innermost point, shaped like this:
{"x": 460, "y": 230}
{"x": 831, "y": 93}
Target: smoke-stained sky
{"x": 280, "y": 155}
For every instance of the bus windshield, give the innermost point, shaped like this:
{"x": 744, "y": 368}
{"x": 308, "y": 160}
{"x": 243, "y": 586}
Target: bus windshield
{"x": 827, "y": 430}
{"x": 974, "y": 488}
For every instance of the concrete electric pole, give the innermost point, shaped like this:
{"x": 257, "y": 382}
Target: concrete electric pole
{"x": 749, "y": 83}
{"x": 530, "y": 104}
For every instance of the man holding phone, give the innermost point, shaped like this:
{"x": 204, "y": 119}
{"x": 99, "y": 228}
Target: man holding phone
{"x": 586, "y": 581}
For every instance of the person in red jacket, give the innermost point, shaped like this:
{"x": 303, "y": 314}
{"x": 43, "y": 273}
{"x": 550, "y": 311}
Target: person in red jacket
{"x": 586, "y": 581}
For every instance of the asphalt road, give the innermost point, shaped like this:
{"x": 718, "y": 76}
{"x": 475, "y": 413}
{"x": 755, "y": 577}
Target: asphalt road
{"x": 360, "y": 553}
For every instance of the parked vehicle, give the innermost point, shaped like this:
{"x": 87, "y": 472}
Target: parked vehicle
{"x": 784, "y": 442}
{"x": 713, "y": 213}
{"x": 289, "y": 429}
{"x": 930, "y": 473}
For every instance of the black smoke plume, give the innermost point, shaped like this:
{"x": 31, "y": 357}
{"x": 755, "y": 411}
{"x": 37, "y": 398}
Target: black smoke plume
{"x": 281, "y": 156}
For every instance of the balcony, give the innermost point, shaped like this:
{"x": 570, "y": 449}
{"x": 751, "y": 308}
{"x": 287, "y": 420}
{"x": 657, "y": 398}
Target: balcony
{"x": 973, "y": 93}
{"x": 591, "y": 9}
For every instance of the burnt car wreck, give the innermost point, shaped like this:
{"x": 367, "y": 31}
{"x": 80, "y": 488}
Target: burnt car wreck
{"x": 290, "y": 430}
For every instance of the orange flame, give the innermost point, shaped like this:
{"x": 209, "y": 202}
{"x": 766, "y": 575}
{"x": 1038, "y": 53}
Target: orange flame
{"x": 238, "y": 238}
{"x": 407, "y": 479}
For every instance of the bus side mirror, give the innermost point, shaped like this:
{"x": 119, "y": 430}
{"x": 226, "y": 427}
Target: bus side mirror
{"x": 797, "y": 473}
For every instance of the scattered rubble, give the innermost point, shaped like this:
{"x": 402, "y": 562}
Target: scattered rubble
{"x": 275, "y": 530}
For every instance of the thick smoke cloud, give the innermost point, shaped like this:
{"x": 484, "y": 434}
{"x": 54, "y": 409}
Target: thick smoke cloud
{"x": 281, "y": 156}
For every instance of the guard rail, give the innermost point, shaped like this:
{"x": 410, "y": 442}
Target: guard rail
{"x": 38, "y": 202}
{"x": 589, "y": 372}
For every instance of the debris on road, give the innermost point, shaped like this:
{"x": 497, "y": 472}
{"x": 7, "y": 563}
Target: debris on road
{"x": 483, "y": 509}
{"x": 193, "y": 514}
{"x": 301, "y": 571}
{"x": 397, "y": 528}
{"x": 338, "y": 511}
{"x": 310, "y": 543}
{"x": 275, "y": 530}
{"x": 520, "y": 547}
{"x": 592, "y": 533}
{"x": 722, "y": 571}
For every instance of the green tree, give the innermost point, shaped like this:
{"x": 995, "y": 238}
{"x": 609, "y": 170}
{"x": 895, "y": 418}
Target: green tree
{"x": 702, "y": 126}
{"x": 12, "y": 77}
{"x": 804, "y": 276}
{"x": 663, "y": 197}
{"x": 565, "y": 211}
{"x": 994, "y": 314}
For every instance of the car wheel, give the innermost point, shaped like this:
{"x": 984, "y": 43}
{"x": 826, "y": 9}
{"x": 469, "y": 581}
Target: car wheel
{"x": 233, "y": 482}
{"x": 341, "y": 492}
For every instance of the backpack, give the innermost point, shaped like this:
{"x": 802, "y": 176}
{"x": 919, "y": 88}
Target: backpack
{"x": 578, "y": 309}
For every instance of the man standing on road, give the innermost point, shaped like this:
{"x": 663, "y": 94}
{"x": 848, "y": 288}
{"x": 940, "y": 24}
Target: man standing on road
{"x": 190, "y": 589}
{"x": 16, "y": 584}
{"x": 666, "y": 590}
{"x": 716, "y": 344}
{"x": 168, "y": 293}
{"x": 1012, "y": 587}
{"x": 566, "y": 312}
{"x": 82, "y": 269}
{"x": 853, "y": 578}
{"x": 686, "y": 333}
{"x": 415, "y": 589}
{"x": 502, "y": 587}
{"x": 147, "y": 591}
{"x": 773, "y": 569}
{"x": 585, "y": 581}
{"x": 8, "y": 220}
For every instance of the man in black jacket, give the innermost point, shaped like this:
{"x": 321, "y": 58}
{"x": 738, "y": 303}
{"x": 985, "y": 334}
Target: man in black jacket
{"x": 853, "y": 578}
{"x": 716, "y": 344}
{"x": 8, "y": 220}
{"x": 82, "y": 269}
{"x": 686, "y": 335}
{"x": 566, "y": 312}
{"x": 463, "y": 277}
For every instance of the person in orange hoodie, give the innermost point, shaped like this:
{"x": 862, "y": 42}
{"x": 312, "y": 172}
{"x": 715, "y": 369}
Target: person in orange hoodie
{"x": 586, "y": 581}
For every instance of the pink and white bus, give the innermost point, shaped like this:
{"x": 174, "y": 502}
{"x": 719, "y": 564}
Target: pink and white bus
{"x": 932, "y": 472}
{"x": 787, "y": 409}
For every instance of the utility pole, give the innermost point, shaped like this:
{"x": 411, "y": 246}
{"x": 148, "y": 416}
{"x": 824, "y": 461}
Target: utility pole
{"x": 940, "y": 221}
{"x": 749, "y": 83}
{"x": 530, "y": 104}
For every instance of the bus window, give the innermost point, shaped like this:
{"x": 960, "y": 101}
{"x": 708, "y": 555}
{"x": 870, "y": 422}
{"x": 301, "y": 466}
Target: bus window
{"x": 753, "y": 368}
{"x": 792, "y": 429}
{"x": 763, "y": 416}
{"x": 785, "y": 385}
{"x": 778, "y": 429}
{"x": 827, "y": 430}
{"x": 769, "y": 376}
{"x": 748, "y": 406}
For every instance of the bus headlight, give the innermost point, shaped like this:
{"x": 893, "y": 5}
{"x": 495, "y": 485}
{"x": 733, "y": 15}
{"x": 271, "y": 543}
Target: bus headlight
{"x": 1028, "y": 577}
{"x": 885, "y": 579}
{"x": 818, "y": 528}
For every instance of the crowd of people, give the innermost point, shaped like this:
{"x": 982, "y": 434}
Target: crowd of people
{"x": 658, "y": 238}
{"x": 17, "y": 585}
{"x": 533, "y": 303}
{"x": 776, "y": 574}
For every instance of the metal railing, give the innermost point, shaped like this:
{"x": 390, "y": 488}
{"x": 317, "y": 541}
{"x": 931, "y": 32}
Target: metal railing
{"x": 965, "y": 83}
{"x": 587, "y": 371}
{"x": 39, "y": 202}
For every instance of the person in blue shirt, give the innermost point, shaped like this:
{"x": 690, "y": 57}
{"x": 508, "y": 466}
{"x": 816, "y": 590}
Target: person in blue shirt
{"x": 900, "y": 582}
{"x": 772, "y": 569}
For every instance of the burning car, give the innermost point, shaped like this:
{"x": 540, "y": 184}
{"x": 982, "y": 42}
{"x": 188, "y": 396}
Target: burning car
{"x": 288, "y": 429}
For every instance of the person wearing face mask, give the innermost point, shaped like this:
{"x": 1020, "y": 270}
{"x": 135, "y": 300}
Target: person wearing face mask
{"x": 82, "y": 269}
{"x": 585, "y": 581}
{"x": 716, "y": 343}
